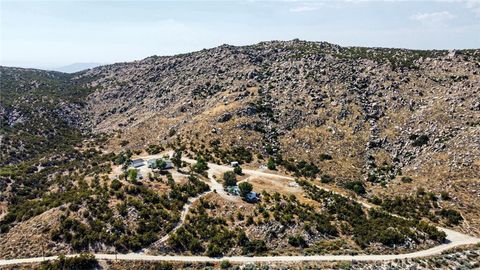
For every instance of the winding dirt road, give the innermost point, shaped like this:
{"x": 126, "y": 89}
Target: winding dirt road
{"x": 453, "y": 238}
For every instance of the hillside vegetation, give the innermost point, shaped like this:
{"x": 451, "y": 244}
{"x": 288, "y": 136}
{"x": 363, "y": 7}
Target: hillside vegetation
{"x": 389, "y": 119}
{"x": 399, "y": 128}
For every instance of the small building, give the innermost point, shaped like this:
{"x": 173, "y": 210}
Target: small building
{"x": 293, "y": 184}
{"x": 152, "y": 163}
{"x": 233, "y": 190}
{"x": 252, "y": 197}
{"x": 234, "y": 164}
{"x": 168, "y": 164}
{"x": 136, "y": 163}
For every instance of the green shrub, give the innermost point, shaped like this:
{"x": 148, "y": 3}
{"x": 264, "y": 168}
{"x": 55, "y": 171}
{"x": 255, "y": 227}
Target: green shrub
{"x": 83, "y": 261}
{"x": 453, "y": 217}
{"x": 297, "y": 241}
{"x": 213, "y": 250}
{"x": 229, "y": 179}
{"x": 115, "y": 185}
{"x": 200, "y": 166}
{"x": 445, "y": 196}
{"x": 324, "y": 156}
{"x": 132, "y": 175}
{"x": 177, "y": 158}
{"x": 153, "y": 149}
{"x": 160, "y": 164}
{"x": 271, "y": 164}
{"x": 255, "y": 247}
{"x": 419, "y": 140}
{"x": 162, "y": 266}
{"x": 238, "y": 170}
{"x": 225, "y": 264}
{"x": 245, "y": 189}
{"x": 375, "y": 200}
{"x": 325, "y": 178}
{"x": 356, "y": 186}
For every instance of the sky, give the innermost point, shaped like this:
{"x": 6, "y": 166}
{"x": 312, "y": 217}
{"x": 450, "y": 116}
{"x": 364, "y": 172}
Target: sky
{"x": 51, "y": 34}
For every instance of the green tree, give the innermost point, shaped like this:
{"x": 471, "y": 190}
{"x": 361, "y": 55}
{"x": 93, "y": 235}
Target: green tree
{"x": 225, "y": 264}
{"x": 160, "y": 164}
{"x": 153, "y": 149}
{"x": 82, "y": 261}
{"x": 229, "y": 179}
{"x": 116, "y": 185}
{"x": 326, "y": 178}
{"x": 297, "y": 241}
{"x": 356, "y": 186}
{"x": 132, "y": 175}
{"x": 271, "y": 164}
{"x": 177, "y": 158}
{"x": 238, "y": 170}
{"x": 170, "y": 180}
{"x": 201, "y": 166}
{"x": 245, "y": 188}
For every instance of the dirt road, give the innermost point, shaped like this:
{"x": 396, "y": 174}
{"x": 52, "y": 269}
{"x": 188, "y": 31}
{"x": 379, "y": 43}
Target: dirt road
{"x": 453, "y": 238}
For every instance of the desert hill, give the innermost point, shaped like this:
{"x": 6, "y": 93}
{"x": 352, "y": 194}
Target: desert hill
{"x": 397, "y": 127}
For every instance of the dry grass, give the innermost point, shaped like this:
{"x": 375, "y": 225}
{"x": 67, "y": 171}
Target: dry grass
{"x": 32, "y": 237}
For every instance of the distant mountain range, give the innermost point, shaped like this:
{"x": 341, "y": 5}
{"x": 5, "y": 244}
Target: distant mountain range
{"x": 75, "y": 67}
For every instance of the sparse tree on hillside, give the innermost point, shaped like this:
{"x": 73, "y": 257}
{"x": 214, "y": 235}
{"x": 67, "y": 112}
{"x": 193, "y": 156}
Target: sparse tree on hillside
{"x": 177, "y": 158}
{"x": 238, "y": 170}
{"x": 229, "y": 179}
{"x": 132, "y": 175}
{"x": 201, "y": 166}
{"x": 160, "y": 164}
{"x": 245, "y": 188}
{"x": 271, "y": 164}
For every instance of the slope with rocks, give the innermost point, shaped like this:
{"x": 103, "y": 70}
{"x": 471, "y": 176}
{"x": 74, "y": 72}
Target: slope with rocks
{"x": 381, "y": 114}
{"x": 389, "y": 120}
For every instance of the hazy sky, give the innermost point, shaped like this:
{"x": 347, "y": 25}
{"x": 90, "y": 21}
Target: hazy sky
{"x": 49, "y": 34}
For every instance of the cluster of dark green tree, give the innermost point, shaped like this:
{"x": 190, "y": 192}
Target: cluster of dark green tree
{"x": 300, "y": 168}
{"x": 154, "y": 149}
{"x": 204, "y": 234}
{"x": 200, "y": 166}
{"x": 99, "y": 225}
{"x": 422, "y": 205}
{"x": 372, "y": 226}
{"x": 290, "y": 212}
{"x": 220, "y": 155}
{"x": 84, "y": 261}
{"x": 29, "y": 194}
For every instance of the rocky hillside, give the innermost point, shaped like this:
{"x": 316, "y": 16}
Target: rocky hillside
{"x": 381, "y": 114}
{"x": 394, "y": 119}
{"x": 39, "y": 113}
{"x": 302, "y": 99}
